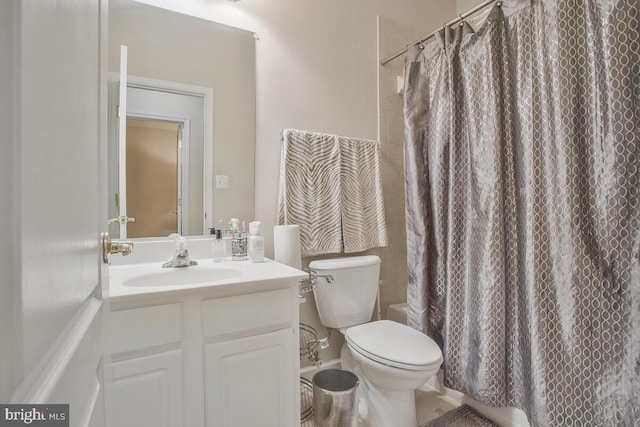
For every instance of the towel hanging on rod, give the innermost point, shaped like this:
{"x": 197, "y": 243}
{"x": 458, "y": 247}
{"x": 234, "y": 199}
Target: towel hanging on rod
{"x": 331, "y": 187}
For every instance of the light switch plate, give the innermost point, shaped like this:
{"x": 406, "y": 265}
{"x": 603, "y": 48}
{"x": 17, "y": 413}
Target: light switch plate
{"x": 222, "y": 181}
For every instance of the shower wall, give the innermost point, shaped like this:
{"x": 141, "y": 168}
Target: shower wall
{"x": 392, "y": 37}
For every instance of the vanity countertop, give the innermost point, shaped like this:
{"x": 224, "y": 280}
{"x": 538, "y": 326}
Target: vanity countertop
{"x": 149, "y": 280}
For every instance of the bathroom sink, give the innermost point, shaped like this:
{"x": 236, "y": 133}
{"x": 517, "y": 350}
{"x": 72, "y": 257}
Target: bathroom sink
{"x": 183, "y": 276}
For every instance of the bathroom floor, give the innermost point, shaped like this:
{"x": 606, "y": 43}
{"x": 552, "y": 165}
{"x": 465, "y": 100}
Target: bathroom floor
{"x": 429, "y": 405}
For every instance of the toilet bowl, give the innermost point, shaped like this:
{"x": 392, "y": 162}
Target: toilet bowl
{"x": 391, "y": 359}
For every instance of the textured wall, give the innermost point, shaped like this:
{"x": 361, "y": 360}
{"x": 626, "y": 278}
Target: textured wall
{"x": 392, "y": 37}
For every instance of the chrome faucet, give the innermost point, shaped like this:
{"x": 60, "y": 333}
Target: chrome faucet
{"x": 181, "y": 256}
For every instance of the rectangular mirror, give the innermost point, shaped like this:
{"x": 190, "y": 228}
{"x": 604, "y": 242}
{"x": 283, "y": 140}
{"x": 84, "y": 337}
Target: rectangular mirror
{"x": 190, "y": 117}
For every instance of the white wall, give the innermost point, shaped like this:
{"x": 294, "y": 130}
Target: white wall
{"x": 316, "y": 66}
{"x": 465, "y": 5}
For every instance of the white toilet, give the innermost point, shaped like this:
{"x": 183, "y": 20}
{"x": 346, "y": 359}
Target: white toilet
{"x": 391, "y": 359}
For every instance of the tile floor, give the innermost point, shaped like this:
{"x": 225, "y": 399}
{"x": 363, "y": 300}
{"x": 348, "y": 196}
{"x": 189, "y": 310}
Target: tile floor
{"x": 429, "y": 405}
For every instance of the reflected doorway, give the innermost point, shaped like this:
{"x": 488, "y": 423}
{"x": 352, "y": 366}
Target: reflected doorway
{"x": 156, "y": 102}
{"x": 154, "y": 163}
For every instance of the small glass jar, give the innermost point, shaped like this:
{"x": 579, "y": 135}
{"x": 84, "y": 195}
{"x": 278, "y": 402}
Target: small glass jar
{"x": 239, "y": 246}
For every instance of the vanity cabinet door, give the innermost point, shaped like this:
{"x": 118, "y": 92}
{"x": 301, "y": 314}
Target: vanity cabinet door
{"x": 250, "y": 381}
{"x": 147, "y": 391}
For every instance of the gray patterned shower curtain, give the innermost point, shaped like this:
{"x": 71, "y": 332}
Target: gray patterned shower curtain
{"x": 522, "y": 173}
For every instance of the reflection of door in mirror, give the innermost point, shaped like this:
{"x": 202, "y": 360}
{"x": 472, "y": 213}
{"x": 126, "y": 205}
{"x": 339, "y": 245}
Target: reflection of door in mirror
{"x": 152, "y": 177}
{"x": 187, "y": 109}
{"x": 167, "y": 147}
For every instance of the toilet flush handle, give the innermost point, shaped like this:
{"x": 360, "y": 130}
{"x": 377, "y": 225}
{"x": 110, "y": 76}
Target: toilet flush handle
{"x": 328, "y": 277}
{"x": 315, "y": 275}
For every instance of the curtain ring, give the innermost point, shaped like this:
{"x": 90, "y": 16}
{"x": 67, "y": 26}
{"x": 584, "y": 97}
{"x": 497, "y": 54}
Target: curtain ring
{"x": 461, "y": 20}
{"x": 499, "y": 4}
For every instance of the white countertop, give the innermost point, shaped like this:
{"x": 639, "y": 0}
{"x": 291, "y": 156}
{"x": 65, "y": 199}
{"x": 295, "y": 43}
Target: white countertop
{"x": 135, "y": 281}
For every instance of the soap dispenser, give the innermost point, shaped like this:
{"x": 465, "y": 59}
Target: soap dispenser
{"x": 227, "y": 236}
{"x": 218, "y": 247}
{"x": 255, "y": 242}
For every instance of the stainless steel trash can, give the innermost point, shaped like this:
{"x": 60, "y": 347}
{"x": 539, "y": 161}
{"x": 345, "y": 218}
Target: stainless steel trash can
{"x": 335, "y": 403}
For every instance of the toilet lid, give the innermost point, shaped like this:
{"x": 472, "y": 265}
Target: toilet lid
{"x": 394, "y": 344}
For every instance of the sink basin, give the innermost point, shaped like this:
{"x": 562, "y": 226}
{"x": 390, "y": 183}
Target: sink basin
{"x": 183, "y": 276}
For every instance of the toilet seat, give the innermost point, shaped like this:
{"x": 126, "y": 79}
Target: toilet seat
{"x": 394, "y": 344}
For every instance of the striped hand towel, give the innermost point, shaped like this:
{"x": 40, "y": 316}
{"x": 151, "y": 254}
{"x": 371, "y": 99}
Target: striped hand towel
{"x": 309, "y": 193}
{"x": 363, "y": 221}
{"x": 330, "y": 186}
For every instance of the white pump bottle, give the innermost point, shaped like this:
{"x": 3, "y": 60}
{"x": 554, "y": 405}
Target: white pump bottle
{"x": 255, "y": 242}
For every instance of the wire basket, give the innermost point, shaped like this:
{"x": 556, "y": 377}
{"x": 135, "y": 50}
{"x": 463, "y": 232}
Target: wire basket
{"x": 306, "y": 400}
{"x": 308, "y": 343}
{"x": 307, "y": 284}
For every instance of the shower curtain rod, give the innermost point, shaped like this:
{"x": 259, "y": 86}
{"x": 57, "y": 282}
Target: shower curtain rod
{"x": 458, "y": 19}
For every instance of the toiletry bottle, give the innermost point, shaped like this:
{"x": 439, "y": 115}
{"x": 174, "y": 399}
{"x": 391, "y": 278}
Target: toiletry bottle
{"x": 218, "y": 247}
{"x": 255, "y": 242}
{"x": 227, "y": 236}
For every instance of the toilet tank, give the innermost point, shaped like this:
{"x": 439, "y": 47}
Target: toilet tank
{"x": 349, "y": 299}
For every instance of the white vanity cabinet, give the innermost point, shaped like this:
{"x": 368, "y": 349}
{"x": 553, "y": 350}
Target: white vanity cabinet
{"x": 147, "y": 390}
{"x": 248, "y": 376}
{"x": 248, "y": 381}
{"x": 216, "y": 357}
{"x": 147, "y": 365}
